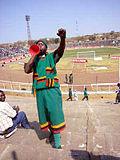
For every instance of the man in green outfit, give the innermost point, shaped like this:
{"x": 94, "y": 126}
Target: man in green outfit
{"x": 46, "y": 87}
{"x": 85, "y": 94}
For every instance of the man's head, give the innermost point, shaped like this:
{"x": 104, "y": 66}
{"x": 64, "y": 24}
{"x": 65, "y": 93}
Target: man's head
{"x": 43, "y": 46}
{"x": 118, "y": 84}
{"x": 2, "y": 96}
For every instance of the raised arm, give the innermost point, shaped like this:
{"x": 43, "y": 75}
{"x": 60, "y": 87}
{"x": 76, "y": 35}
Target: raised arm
{"x": 62, "y": 34}
{"x": 29, "y": 66}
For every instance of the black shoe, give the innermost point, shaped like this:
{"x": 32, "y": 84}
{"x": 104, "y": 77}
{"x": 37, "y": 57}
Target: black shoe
{"x": 9, "y": 134}
{"x": 57, "y": 147}
{"x": 50, "y": 139}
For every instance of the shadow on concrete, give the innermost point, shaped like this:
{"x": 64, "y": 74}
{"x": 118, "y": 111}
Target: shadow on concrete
{"x": 41, "y": 134}
{"x": 80, "y": 155}
{"x": 14, "y": 155}
{"x": 83, "y": 155}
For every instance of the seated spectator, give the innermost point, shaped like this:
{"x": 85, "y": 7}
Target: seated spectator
{"x": 10, "y": 118}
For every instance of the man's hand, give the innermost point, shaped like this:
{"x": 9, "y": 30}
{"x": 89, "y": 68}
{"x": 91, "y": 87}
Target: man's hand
{"x": 61, "y": 33}
{"x": 16, "y": 108}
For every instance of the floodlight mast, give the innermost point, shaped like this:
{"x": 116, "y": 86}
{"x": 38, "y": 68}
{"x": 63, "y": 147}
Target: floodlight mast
{"x": 27, "y": 18}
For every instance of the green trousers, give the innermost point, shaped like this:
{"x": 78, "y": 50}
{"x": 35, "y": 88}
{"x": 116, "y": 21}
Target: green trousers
{"x": 50, "y": 112}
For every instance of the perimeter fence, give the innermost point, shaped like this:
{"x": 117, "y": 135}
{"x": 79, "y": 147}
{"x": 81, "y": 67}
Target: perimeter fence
{"x": 99, "y": 88}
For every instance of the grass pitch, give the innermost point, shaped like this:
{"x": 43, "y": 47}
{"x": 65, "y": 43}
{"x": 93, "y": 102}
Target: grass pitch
{"x": 65, "y": 62}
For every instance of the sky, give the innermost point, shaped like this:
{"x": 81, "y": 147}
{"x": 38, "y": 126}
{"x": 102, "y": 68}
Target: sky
{"x": 78, "y": 17}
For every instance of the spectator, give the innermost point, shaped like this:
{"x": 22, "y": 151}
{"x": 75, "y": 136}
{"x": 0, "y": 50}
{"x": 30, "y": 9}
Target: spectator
{"x": 75, "y": 96}
{"x": 117, "y": 100}
{"x": 66, "y": 78}
{"x": 71, "y": 78}
{"x": 10, "y": 118}
{"x": 85, "y": 94}
{"x": 70, "y": 95}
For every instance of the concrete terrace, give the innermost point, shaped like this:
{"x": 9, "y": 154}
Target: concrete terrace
{"x": 92, "y": 133}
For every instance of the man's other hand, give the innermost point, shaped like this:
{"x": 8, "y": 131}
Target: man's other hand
{"x": 16, "y": 108}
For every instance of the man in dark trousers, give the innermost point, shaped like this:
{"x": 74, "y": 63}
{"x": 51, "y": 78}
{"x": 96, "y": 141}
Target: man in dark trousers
{"x": 70, "y": 78}
{"x": 46, "y": 87}
{"x": 66, "y": 78}
{"x": 70, "y": 95}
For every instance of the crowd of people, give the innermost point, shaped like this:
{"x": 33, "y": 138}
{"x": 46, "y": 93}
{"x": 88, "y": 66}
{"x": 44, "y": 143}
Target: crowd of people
{"x": 13, "y": 51}
{"x": 10, "y": 52}
{"x": 80, "y": 44}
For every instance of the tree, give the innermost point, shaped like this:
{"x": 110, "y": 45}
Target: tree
{"x": 92, "y": 38}
{"x": 56, "y": 40}
{"x": 112, "y": 32}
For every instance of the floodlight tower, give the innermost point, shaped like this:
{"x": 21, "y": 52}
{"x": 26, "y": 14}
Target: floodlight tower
{"x": 76, "y": 28}
{"x": 28, "y": 27}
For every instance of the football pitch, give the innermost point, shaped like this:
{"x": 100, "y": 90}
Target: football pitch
{"x": 65, "y": 62}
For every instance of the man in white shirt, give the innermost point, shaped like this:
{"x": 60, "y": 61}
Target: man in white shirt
{"x": 10, "y": 118}
{"x": 75, "y": 96}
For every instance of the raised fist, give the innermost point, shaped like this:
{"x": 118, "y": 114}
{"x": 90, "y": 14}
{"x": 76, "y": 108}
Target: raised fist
{"x": 62, "y": 33}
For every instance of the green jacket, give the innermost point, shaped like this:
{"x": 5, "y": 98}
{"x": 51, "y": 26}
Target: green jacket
{"x": 44, "y": 73}
{"x": 85, "y": 93}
